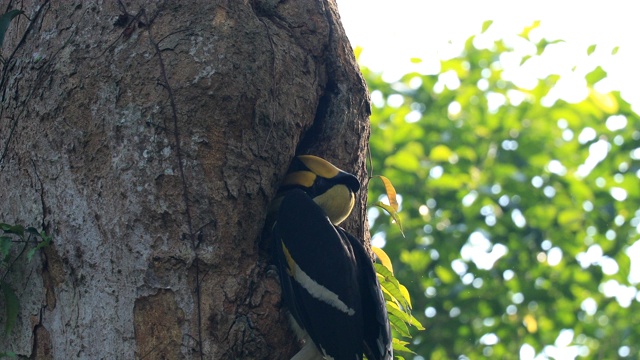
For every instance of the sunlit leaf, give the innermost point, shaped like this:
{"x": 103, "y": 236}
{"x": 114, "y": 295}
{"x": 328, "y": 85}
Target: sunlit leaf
{"x": 530, "y": 323}
{"x": 444, "y": 274}
{"x": 383, "y": 257}
{"x": 486, "y": 25}
{"x": 591, "y": 49}
{"x": 392, "y": 212}
{"x": 542, "y": 45}
{"x": 404, "y": 160}
{"x": 389, "y": 283}
{"x": 440, "y": 153}
{"x": 606, "y": 102}
{"x": 398, "y": 319}
{"x": 570, "y": 217}
{"x": 405, "y": 294}
{"x": 596, "y": 75}
{"x": 416, "y": 260}
{"x": 415, "y": 323}
{"x": 357, "y": 51}
{"x": 399, "y": 345}
{"x": 390, "y": 191}
{"x": 449, "y": 182}
{"x": 527, "y": 30}
{"x": 543, "y": 215}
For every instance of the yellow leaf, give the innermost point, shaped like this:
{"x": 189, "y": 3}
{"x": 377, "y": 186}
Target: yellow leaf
{"x": 530, "y": 323}
{"x": 527, "y": 30}
{"x": 383, "y": 257}
{"x": 405, "y": 293}
{"x": 391, "y": 192}
{"x": 440, "y": 153}
{"x": 606, "y": 102}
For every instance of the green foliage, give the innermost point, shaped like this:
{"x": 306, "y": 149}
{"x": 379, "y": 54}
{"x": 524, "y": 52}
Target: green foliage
{"x": 518, "y": 216}
{"x": 396, "y": 295}
{"x": 14, "y": 241}
{"x": 398, "y": 303}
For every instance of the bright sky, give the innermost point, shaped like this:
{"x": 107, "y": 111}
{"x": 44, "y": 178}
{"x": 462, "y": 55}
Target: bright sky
{"x": 392, "y": 32}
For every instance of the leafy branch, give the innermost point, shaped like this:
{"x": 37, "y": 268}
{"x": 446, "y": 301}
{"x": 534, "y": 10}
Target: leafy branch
{"x": 396, "y": 295}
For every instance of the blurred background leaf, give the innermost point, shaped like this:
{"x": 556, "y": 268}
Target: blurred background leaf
{"x": 521, "y": 208}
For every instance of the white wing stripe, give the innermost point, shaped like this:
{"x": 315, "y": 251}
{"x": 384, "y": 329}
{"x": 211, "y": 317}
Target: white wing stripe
{"x": 320, "y": 292}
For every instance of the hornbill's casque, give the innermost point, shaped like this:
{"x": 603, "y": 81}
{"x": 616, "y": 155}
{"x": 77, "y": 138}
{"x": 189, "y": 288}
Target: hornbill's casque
{"x": 329, "y": 285}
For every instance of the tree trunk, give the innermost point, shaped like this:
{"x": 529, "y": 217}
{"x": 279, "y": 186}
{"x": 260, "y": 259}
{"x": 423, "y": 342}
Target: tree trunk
{"x": 148, "y": 139}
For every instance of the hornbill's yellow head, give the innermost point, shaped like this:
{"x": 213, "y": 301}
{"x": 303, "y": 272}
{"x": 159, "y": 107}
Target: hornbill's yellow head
{"x": 331, "y": 188}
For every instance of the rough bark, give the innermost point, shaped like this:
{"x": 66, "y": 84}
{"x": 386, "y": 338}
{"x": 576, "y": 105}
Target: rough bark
{"x": 148, "y": 139}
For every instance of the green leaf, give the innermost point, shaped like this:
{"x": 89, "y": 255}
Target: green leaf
{"x": 440, "y": 153}
{"x": 525, "y": 32}
{"x": 12, "y": 306}
{"x": 596, "y": 75}
{"x": 449, "y": 182}
{"x": 447, "y": 276}
{"x": 39, "y": 246}
{"x": 13, "y": 229}
{"x": 5, "y": 247}
{"x": 392, "y": 213}
{"x": 571, "y": 218}
{"x": 389, "y": 283}
{"x": 405, "y": 160}
{"x": 5, "y": 20}
{"x": 486, "y": 25}
{"x": 415, "y": 323}
{"x": 524, "y": 59}
{"x": 398, "y": 320}
{"x": 405, "y": 294}
{"x": 399, "y": 345}
{"x": 615, "y": 50}
{"x": 591, "y": 49}
{"x": 45, "y": 237}
{"x": 606, "y": 102}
